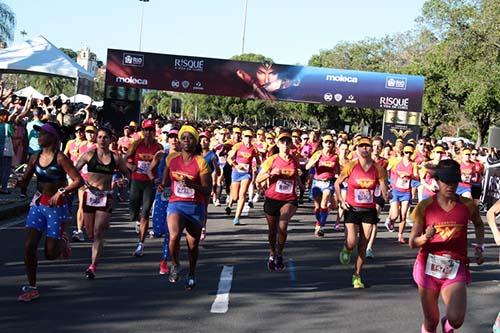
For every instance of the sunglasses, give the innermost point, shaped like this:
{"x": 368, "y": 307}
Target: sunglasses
{"x": 79, "y": 130}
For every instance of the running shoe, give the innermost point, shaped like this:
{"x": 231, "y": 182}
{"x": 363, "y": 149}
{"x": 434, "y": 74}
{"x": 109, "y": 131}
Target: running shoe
{"x": 280, "y": 265}
{"x": 236, "y": 221}
{"x": 137, "y": 227}
{"x": 443, "y": 325}
{"x": 345, "y": 256}
{"x": 256, "y": 198}
{"x": 203, "y": 234}
{"x": 77, "y": 236}
{"x": 356, "y": 282}
{"x": 338, "y": 227}
{"x": 250, "y": 204}
{"x": 28, "y": 293}
{"x": 139, "y": 251}
{"x": 164, "y": 270}
{"x": 190, "y": 283}
{"x": 271, "y": 264}
{"x": 66, "y": 250}
{"x": 173, "y": 277}
{"x": 90, "y": 272}
{"x": 216, "y": 202}
{"x": 319, "y": 232}
{"x": 228, "y": 210}
{"x": 389, "y": 224}
{"x": 369, "y": 253}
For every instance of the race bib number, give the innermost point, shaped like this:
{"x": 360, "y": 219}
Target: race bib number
{"x": 403, "y": 183}
{"x": 363, "y": 196}
{"x": 284, "y": 186}
{"x": 35, "y": 198}
{"x": 466, "y": 178}
{"x": 142, "y": 167}
{"x": 96, "y": 200}
{"x": 377, "y": 191}
{"x": 182, "y": 191}
{"x": 441, "y": 267}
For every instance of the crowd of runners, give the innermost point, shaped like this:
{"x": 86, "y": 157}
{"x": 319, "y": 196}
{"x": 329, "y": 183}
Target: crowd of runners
{"x": 173, "y": 172}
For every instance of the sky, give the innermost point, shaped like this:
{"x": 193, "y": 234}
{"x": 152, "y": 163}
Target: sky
{"x": 288, "y": 31}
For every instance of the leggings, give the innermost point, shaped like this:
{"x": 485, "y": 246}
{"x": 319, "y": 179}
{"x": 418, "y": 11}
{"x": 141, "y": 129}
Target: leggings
{"x": 141, "y": 195}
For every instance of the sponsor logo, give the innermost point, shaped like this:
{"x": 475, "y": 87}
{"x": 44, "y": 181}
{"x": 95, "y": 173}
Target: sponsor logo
{"x": 185, "y": 84}
{"x": 132, "y": 59}
{"x": 198, "y": 86}
{"x": 394, "y": 103}
{"x": 395, "y": 83}
{"x": 350, "y": 99}
{"x": 338, "y": 97}
{"x": 175, "y": 84}
{"x": 184, "y": 64}
{"x": 328, "y": 97}
{"x": 131, "y": 80}
{"x": 341, "y": 78}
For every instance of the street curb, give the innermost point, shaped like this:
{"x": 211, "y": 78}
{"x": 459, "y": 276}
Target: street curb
{"x": 14, "y": 210}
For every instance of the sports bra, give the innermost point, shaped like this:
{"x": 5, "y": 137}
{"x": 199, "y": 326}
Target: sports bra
{"x": 51, "y": 173}
{"x": 95, "y": 166}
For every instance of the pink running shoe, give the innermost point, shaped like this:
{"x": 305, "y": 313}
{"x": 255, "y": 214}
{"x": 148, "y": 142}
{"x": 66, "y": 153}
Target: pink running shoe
{"x": 90, "y": 272}
{"x": 28, "y": 293}
{"x": 164, "y": 270}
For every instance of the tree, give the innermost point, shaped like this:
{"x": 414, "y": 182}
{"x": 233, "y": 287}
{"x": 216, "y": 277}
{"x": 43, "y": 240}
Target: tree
{"x": 7, "y": 23}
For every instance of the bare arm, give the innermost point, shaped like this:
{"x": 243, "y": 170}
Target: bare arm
{"x": 491, "y": 218}
{"x": 154, "y": 164}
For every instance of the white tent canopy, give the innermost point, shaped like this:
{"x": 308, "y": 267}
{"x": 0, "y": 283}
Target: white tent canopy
{"x": 64, "y": 98}
{"x": 79, "y": 98}
{"x": 29, "y": 91}
{"x": 39, "y": 56}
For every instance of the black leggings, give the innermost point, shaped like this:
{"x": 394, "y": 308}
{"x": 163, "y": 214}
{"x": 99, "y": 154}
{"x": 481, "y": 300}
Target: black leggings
{"x": 141, "y": 194}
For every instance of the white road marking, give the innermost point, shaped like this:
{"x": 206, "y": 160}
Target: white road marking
{"x": 10, "y": 224}
{"x": 221, "y": 302}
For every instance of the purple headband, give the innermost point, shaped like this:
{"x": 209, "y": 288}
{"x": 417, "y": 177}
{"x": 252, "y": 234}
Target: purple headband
{"x": 49, "y": 129}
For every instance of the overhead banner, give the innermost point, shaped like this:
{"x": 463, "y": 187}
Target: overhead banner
{"x": 336, "y": 87}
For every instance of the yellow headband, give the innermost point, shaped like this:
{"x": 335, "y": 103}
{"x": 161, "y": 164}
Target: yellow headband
{"x": 191, "y": 130}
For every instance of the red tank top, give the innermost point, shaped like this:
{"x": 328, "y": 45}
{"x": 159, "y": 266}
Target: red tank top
{"x": 401, "y": 176}
{"x": 244, "y": 156}
{"x": 451, "y": 227}
{"x": 468, "y": 171}
{"x": 326, "y": 167}
{"x": 193, "y": 169}
{"x": 282, "y": 187}
{"x": 362, "y": 184}
{"x": 142, "y": 158}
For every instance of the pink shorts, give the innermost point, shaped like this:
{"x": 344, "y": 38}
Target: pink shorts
{"x": 430, "y": 282}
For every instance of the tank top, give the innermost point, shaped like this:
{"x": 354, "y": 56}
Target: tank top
{"x": 361, "y": 184}
{"x": 402, "y": 175}
{"x": 209, "y": 157}
{"x": 282, "y": 187}
{"x": 468, "y": 171}
{"x": 244, "y": 156}
{"x": 451, "y": 227}
{"x": 96, "y": 166}
{"x": 51, "y": 173}
{"x": 326, "y": 166}
{"x": 142, "y": 159}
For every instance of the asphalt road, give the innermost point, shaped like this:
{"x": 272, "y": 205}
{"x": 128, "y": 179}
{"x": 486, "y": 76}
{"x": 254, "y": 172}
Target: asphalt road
{"x": 314, "y": 294}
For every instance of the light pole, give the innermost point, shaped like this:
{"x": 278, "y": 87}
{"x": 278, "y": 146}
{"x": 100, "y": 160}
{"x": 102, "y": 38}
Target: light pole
{"x": 142, "y": 17}
{"x": 244, "y": 28}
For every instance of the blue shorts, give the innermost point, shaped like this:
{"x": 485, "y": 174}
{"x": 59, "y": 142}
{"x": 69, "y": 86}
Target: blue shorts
{"x": 398, "y": 196}
{"x": 414, "y": 183}
{"x": 192, "y": 211}
{"x": 319, "y": 186}
{"x": 461, "y": 190}
{"x": 237, "y": 176}
{"x": 47, "y": 219}
{"x": 160, "y": 214}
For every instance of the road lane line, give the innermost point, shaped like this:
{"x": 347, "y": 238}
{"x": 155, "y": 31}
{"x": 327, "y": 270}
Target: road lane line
{"x": 10, "y": 224}
{"x": 221, "y": 302}
{"x": 291, "y": 270}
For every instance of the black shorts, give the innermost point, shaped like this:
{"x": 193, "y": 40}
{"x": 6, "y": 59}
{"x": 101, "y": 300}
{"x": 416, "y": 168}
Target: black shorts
{"x": 379, "y": 201}
{"x": 476, "y": 192}
{"x": 361, "y": 216}
{"x": 273, "y": 207}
